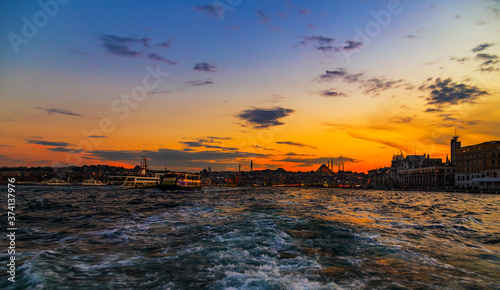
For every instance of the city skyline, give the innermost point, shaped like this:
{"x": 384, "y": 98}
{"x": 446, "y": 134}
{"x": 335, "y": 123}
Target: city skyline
{"x": 285, "y": 84}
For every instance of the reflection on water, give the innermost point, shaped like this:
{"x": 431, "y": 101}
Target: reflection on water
{"x": 255, "y": 238}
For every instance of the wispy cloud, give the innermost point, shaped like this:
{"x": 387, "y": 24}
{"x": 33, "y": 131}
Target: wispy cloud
{"x": 295, "y": 144}
{"x": 119, "y": 45}
{"x": 482, "y": 47}
{"x": 307, "y": 162}
{"x": 58, "y": 111}
{"x": 263, "y": 118}
{"x": 47, "y": 143}
{"x": 198, "y": 83}
{"x": 97, "y": 136}
{"x": 332, "y": 94}
{"x": 204, "y": 67}
{"x": 326, "y": 44}
{"x": 156, "y": 57}
{"x": 263, "y": 17}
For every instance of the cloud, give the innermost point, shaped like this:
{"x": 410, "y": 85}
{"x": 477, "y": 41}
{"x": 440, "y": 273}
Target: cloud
{"x": 350, "y": 45}
{"x": 156, "y": 57}
{"x": 399, "y": 119}
{"x": 376, "y": 85}
{"x": 310, "y": 26}
{"x": 303, "y": 11}
{"x": 461, "y": 59}
{"x": 198, "y": 83}
{"x": 176, "y": 158}
{"x": 295, "y": 144}
{"x": 380, "y": 141}
{"x": 486, "y": 56}
{"x": 204, "y": 67}
{"x": 209, "y": 10}
{"x": 263, "y": 17}
{"x": 432, "y": 110}
{"x": 263, "y": 118}
{"x": 325, "y": 44}
{"x": 446, "y": 93}
{"x": 121, "y": 45}
{"x": 332, "y": 94}
{"x": 4, "y": 145}
{"x": 97, "y": 136}
{"x": 307, "y": 162}
{"x": 208, "y": 142}
{"x": 321, "y": 43}
{"x": 369, "y": 85}
{"x": 51, "y": 111}
{"x": 411, "y": 36}
{"x": 47, "y": 143}
{"x": 482, "y": 47}
{"x": 64, "y": 149}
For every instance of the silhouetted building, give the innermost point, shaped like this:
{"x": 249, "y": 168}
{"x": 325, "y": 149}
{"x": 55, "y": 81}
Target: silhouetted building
{"x": 324, "y": 169}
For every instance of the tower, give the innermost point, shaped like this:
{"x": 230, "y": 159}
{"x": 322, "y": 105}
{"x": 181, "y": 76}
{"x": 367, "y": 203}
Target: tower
{"x": 454, "y": 145}
{"x": 251, "y": 165}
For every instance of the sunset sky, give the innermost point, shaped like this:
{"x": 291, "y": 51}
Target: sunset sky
{"x": 290, "y": 84}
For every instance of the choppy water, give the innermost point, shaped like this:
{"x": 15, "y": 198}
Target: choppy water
{"x": 254, "y": 238}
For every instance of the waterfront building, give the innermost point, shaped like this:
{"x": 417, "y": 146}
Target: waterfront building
{"x": 478, "y": 166}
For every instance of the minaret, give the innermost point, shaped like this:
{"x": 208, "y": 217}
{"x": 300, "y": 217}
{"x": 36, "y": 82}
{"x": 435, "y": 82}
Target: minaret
{"x": 251, "y": 165}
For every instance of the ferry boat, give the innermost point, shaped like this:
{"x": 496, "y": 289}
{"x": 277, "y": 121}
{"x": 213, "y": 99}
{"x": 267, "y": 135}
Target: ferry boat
{"x": 93, "y": 182}
{"x": 180, "y": 181}
{"x": 132, "y": 181}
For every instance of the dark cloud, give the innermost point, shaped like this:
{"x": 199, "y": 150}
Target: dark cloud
{"x": 433, "y": 110}
{"x": 411, "y": 36}
{"x": 446, "y": 93}
{"x": 482, "y": 47}
{"x": 47, "y": 143}
{"x": 156, "y": 57}
{"x": 326, "y": 44}
{"x": 97, "y": 136}
{"x": 204, "y": 67}
{"x": 64, "y": 149}
{"x": 4, "y": 145}
{"x": 320, "y": 43}
{"x": 369, "y": 85}
{"x": 381, "y": 141}
{"x": 263, "y": 118}
{"x": 295, "y": 144}
{"x": 352, "y": 45}
{"x": 263, "y": 17}
{"x": 121, "y": 45}
{"x": 208, "y": 142}
{"x": 486, "y": 56}
{"x": 58, "y": 111}
{"x": 332, "y": 94}
{"x": 198, "y": 83}
{"x": 176, "y": 158}
{"x": 376, "y": 85}
{"x": 306, "y": 162}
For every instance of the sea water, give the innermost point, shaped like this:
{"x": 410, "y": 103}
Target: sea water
{"x": 76, "y": 237}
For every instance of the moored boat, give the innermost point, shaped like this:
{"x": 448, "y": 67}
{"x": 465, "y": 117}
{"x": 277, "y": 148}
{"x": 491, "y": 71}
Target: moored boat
{"x": 180, "y": 181}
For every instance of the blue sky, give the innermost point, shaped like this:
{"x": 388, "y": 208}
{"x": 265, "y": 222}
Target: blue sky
{"x": 305, "y": 58}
